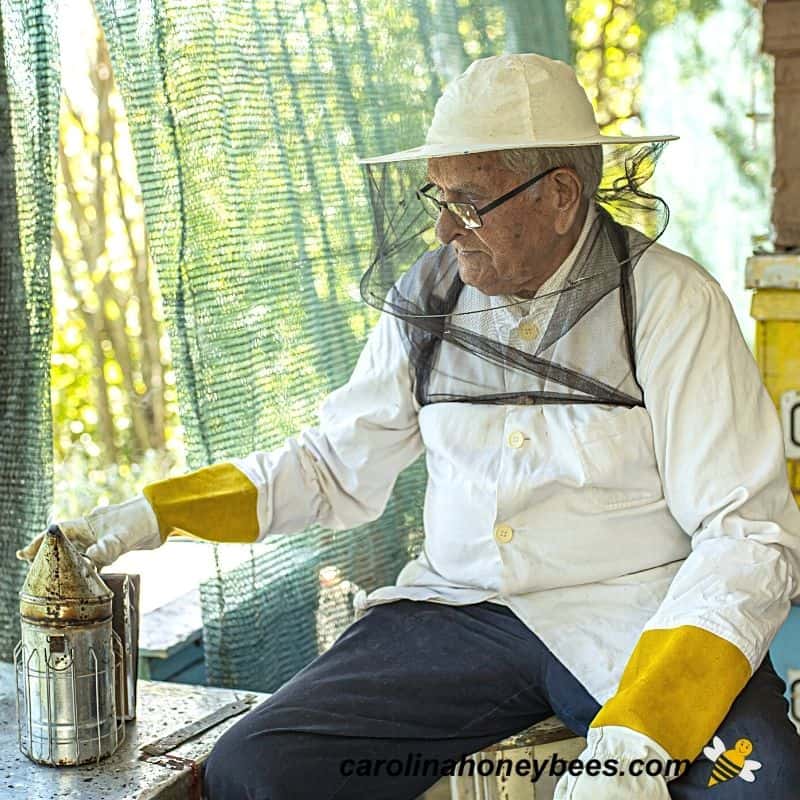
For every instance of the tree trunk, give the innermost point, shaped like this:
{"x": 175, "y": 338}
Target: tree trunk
{"x": 153, "y": 402}
{"x": 101, "y": 79}
{"x": 94, "y": 329}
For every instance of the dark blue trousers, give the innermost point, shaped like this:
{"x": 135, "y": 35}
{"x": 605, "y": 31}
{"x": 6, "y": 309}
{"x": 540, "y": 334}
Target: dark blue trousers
{"x": 418, "y": 680}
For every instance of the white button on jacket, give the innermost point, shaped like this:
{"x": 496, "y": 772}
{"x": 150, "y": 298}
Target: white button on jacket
{"x": 503, "y": 533}
{"x": 528, "y": 331}
{"x": 516, "y": 439}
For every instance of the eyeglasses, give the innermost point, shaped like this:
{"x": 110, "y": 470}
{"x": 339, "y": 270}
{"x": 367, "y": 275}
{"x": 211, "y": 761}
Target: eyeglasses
{"x": 466, "y": 213}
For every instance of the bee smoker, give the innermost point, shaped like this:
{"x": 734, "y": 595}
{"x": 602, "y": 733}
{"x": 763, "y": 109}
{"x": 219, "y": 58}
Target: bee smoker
{"x": 125, "y": 622}
{"x": 69, "y": 660}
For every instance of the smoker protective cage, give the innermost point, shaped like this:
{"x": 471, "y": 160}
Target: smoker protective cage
{"x": 69, "y": 661}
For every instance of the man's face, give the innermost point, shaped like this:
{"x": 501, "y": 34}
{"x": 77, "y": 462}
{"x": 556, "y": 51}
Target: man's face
{"x": 521, "y": 242}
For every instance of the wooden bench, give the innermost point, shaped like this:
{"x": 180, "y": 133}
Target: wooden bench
{"x": 540, "y": 741}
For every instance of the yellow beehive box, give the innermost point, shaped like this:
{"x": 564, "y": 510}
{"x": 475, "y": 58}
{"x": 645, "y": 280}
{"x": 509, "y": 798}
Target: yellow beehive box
{"x": 776, "y": 310}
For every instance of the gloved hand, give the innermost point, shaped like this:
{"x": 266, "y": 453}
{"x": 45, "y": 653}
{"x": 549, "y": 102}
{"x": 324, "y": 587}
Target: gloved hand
{"x": 107, "y": 532}
{"x": 622, "y": 745}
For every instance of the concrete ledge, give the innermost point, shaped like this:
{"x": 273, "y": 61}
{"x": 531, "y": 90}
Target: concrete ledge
{"x": 162, "y": 708}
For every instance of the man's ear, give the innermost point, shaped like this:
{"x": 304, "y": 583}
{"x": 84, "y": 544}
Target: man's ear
{"x": 567, "y": 191}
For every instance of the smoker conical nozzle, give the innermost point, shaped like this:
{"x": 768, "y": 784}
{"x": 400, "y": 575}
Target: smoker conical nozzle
{"x": 62, "y": 585}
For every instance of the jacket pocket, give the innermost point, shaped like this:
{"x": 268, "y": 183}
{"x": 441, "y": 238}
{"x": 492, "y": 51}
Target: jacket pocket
{"x": 616, "y": 451}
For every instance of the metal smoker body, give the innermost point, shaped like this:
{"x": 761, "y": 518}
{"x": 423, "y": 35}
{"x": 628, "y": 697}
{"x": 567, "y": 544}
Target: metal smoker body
{"x": 69, "y": 660}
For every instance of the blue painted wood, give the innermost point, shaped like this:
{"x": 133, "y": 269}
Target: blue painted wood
{"x": 785, "y": 653}
{"x": 171, "y": 642}
{"x": 182, "y": 659}
{"x": 195, "y": 674}
{"x": 785, "y": 650}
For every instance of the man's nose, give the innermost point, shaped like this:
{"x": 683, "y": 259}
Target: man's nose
{"x": 448, "y": 227}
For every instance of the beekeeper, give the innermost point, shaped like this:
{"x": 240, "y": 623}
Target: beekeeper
{"x": 609, "y": 530}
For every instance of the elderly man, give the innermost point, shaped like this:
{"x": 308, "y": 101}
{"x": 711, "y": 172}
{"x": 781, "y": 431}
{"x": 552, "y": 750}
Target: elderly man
{"x": 610, "y": 535}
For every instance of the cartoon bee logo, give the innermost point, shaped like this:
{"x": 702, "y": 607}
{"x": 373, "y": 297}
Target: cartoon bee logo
{"x": 730, "y": 763}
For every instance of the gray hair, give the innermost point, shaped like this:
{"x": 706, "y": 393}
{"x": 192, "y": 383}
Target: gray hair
{"x": 587, "y": 161}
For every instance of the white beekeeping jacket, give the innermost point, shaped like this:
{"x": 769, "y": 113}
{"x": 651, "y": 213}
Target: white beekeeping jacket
{"x": 601, "y": 526}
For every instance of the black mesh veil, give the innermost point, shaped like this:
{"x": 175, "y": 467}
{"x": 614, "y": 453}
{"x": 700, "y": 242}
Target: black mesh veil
{"x": 572, "y": 343}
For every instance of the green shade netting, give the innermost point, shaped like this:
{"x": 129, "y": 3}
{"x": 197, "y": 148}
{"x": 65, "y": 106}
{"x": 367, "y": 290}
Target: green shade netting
{"x": 247, "y": 119}
{"x": 29, "y": 101}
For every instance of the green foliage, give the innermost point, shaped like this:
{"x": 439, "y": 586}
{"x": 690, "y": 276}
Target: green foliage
{"x": 609, "y": 38}
{"x": 81, "y": 482}
{"x": 113, "y": 394}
